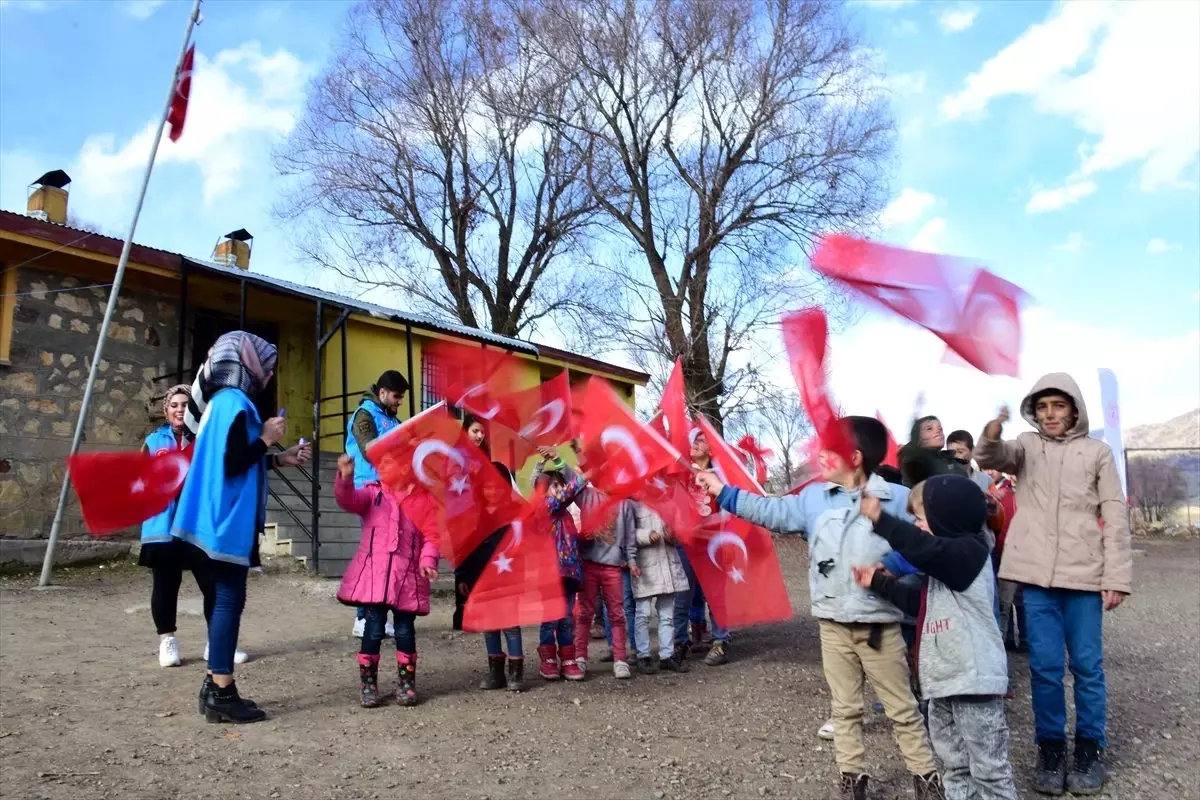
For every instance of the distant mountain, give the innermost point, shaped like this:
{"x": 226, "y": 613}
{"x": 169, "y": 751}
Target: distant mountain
{"x": 1183, "y": 431}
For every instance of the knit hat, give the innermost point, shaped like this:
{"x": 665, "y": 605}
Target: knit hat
{"x": 954, "y": 506}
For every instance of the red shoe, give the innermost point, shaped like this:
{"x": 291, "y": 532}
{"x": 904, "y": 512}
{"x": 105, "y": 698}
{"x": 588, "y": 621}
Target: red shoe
{"x": 548, "y": 663}
{"x": 570, "y": 670}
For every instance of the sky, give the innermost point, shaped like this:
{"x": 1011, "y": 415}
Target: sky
{"x": 1054, "y": 143}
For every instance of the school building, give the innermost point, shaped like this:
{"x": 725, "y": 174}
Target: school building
{"x": 54, "y": 287}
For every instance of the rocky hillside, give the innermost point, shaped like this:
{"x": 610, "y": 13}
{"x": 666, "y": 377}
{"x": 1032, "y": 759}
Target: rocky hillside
{"x": 1182, "y": 431}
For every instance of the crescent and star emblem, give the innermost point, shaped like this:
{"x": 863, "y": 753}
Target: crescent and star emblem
{"x": 545, "y": 419}
{"x": 428, "y": 448}
{"x": 723, "y": 538}
{"x": 620, "y": 436}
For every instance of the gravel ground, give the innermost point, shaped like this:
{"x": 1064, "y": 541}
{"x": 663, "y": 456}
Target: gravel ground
{"x": 86, "y": 712}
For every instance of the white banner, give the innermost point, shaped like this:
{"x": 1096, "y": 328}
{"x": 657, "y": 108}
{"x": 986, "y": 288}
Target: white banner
{"x": 1112, "y": 422}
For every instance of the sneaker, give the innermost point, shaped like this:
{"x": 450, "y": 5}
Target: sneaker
{"x": 1051, "y": 774}
{"x": 168, "y": 652}
{"x": 389, "y": 630}
{"x": 621, "y": 670}
{"x": 853, "y": 787}
{"x": 239, "y": 656}
{"x": 717, "y": 655}
{"x": 826, "y": 731}
{"x": 582, "y": 664}
{"x": 1088, "y": 773}
{"x": 647, "y": 666}
{"x": 928, "y": 787}
{"x": 673, "y": 664}
{"x": 360, "y": 626}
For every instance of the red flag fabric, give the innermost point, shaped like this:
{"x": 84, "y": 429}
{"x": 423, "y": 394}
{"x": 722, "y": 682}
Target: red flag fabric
{"x": 488, "y": 383}
{"x": 892, "y": 457}
{"x": 548, "y": 421}
{"x": 674, "y": 410}
{"x": 177, "y": 114}
{"x": 621, "y": 452}
{"x": 727, "y": 462}
{"x": 521, "y": 584}
{"x": 738, "y": 569}
{"x": 432, "y": 452}
{"x": 657, "y": 425}
{"x": 806, "y": 335}
{"x": 985, "y": 331}
{"x": 119, "y": 490}
{"x": 758, "y": 454}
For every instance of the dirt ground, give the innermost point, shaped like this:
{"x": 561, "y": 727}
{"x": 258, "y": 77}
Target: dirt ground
{"x": 86, "y": 712}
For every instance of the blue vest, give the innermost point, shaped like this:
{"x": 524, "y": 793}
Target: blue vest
{"x": 217, "y": 514}
{"x": 364, "y": 470}
{"x": 157, "y": 529}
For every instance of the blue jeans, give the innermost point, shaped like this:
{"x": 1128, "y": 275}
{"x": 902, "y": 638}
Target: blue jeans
{"x": 512, "y": 637}
{"x": 1058, "y": 620}
{"x": 630, "y": 612}
{"x": 228, "y": 587}
{"x": 563, "y": 628}
{"x": 405, "y": 624}
{"x": 689, "y": 607}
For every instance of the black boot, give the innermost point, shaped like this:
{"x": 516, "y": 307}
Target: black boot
{"x": 495, "y": 674}
{"x": 206, "y": 689}
{"x": 225, "y": 705}
{"x": 368, "y": 684}
{"x": 647, "y": 666}
{"x": 516, "y": 674}
{"x": 673, "y": 664}
{"x": 928, "y": 787}
{"x": 854, "y": 787}
{"x": 1051, "y": 774}
{"x": 1088, "y": 773}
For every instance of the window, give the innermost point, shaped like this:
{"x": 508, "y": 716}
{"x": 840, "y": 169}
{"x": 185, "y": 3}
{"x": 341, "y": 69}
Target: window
{"x": 433, "y": 379}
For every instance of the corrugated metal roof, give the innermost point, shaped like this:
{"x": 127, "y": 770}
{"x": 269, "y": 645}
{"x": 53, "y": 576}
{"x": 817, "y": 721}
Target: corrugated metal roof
{"x": 365, "y": 307}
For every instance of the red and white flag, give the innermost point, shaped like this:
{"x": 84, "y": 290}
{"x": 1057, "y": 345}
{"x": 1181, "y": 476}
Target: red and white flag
{"x": 806, "y": 336}
{"x": 621, "y": 452}
{"x": 177, "y": 114}
{"x": 119, "y": 490}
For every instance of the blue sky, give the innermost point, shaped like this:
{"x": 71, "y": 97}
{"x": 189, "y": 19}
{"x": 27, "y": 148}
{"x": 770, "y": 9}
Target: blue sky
{"x": 1055, "y": 143}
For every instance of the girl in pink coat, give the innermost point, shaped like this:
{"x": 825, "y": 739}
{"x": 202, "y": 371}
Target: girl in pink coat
{"x": 391, "y": 570}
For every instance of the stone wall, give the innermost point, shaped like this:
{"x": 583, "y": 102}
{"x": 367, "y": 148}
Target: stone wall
{"x": 54, "y": 338}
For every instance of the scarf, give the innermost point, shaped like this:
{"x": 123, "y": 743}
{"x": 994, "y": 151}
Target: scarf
{"x": 238, "y": 360}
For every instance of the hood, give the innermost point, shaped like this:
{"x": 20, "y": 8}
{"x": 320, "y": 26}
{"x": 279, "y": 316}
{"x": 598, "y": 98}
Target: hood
{"x": 373, "y": 400}
{"x": 954, "y": 506}
{"x": 1062, "y": 382}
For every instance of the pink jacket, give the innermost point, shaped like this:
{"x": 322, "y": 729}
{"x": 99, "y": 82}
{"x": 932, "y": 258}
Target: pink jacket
{"x": 387, "y": 567}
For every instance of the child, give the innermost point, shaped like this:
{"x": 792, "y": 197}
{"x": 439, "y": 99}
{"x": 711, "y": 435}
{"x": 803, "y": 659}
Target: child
{"x": 658, "y": 578}
{"x": 561, "y": 484}
{"x": 961, "y": 665}
{"x": 860, "y": 632}
{"x": 605, "y": 556}
{"x": 1072, "y": 571}
{"x": 924, "y": 455}
{"x": 391, "y": 570}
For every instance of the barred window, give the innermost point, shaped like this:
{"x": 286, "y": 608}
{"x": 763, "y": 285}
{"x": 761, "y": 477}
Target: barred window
{"x": 433, "y": 381}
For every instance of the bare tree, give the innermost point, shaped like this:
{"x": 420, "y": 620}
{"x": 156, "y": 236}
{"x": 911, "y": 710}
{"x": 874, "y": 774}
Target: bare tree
{"x": 420, "y": 169}
{"x": 1158, "y": 487}
{"x": 719, "y": 139}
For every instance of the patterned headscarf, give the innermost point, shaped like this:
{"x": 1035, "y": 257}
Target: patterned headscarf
{"x": 177, "y": 389}
{"x": 238, "y": 360}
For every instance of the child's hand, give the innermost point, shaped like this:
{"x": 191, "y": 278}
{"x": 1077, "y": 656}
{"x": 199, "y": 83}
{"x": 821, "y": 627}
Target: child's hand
{"x": 863, "y": 575}
{"x": 430, "y": 573}
{"x": 463, "y": 589}
{"x": 709, "y": 481}
{"x": 869, "y": 507}
{"x": 345, "y": 466}
{"x": 993, "y": 429}
{"x": 547, "y": 453}
{"x": 635, "y": 571}
{"x": 655, "y": 537}
{"x": 1112, "y": 598}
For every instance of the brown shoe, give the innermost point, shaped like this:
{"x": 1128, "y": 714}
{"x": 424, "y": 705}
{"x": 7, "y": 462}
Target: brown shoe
{"x": 853, "y": 787}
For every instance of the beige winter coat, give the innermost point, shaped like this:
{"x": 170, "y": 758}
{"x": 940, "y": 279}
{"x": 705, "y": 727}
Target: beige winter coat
{"x": 1063, "y": 485}
{"x": 662, "y": 569}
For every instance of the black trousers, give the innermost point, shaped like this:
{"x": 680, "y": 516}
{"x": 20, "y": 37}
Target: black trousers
{"x": 164, "y": 595}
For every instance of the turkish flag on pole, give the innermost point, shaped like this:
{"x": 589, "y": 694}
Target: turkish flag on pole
{"x": 488, "y": 383}
{"x": 727, "y": 462}
{"x": 622, "y": 452}
{"x": 521, "y": 584}
{"x": 985, "y": 331}
{"x": 183, "y": 87}
{"x": 738, "y": 569}
{"x": 674, "y": 410}
{"x": 806, "y": 335}
{"x": 432, "y": 453}
{"x": 119, "y": 490}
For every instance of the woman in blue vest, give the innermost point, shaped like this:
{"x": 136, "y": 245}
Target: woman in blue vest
{"x": 376, "y": 415}
{"x": 221, "y": 507}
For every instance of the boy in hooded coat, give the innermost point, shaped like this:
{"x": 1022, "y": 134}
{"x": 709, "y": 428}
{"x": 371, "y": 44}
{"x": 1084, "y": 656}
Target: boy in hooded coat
{"x": 1071, "y": 567}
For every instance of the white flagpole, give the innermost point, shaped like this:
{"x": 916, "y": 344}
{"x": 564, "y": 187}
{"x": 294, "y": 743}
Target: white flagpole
{"x": 55, "y": 528}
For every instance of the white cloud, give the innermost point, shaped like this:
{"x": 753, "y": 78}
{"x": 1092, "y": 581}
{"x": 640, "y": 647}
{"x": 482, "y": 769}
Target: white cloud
{"x": 929, "y": 236}
{"x": 1157, "y": 246}
{"x": 957, "y": 20}
{"x": 1126, "y": 73}
{"x": 907, "y": 83}
{"x": 1043, "y": 200}
{"x": 141, "y": 9}
{"x": 1158, "y": 376}
{"x": 908, "y": 207}
{"x": 1074, "y": 243}
{"x": 241, "y": 101}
